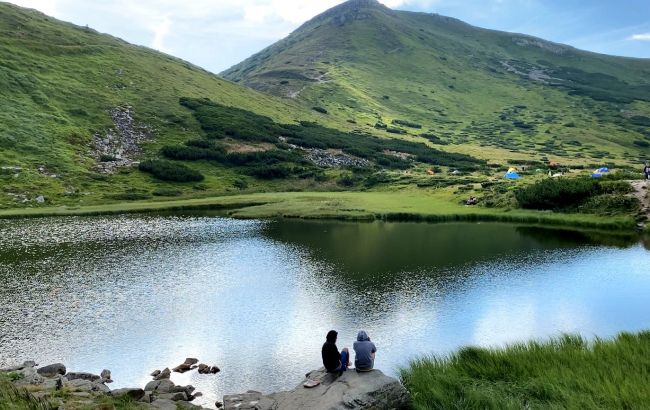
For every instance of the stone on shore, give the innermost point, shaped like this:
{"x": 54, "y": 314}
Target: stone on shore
{"x": 351, "y": 390}
{"x": 52, "y": 370}
{"x": 106, "y": 376}
{"x": 133, "y": 394}
{"x": 165, "y": 374}
{"x": 83, "y": 376}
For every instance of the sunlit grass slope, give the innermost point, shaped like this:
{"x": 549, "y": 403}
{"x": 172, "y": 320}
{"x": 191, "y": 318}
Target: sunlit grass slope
{"x": 492, "y": 94}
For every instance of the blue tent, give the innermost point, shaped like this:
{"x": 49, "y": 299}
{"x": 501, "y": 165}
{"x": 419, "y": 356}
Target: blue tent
{"x": 599, "y": 172}
{"x": 511, "y": 175}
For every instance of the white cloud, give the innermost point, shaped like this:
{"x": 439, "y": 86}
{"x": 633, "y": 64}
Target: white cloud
{"x": 640, "y": 37}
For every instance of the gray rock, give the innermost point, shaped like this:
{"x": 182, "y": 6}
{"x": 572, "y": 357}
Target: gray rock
{"x": 146, "y": 398}
{"x": 52, "y": 370}
{"x": 164, "y": 404}
{"x": 133, "y": 394}
{"x": 87, "y": 385}
{"x": 26, "y": 364}
{"x": 106, "y": 376}
{"x": 187, "y": 405}
{"x": 165, "y": 374}
{"x": 40, "y": 199}
{"x": 178, "y": 396}
{"x": 352, "y": 390}
{"x": 83, "y": 376}
{"x": 160, "y": 386}
{"x": 155, "y": 373}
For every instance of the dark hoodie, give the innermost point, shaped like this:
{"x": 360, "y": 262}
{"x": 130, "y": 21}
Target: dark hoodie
{"x": 330, "y": 353}
{"x": 363, "y": 349}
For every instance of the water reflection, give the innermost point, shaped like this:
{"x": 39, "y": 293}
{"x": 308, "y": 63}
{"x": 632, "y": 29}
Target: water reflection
{"x": 137, "y": 293}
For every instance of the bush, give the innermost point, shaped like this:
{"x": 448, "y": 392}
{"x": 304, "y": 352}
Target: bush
{"x": 320, "y": 110}
{"x": 270, "y": 171}
{"x": 641, "y": 143}
{"x": 240, "y": 184}
{"x": 193, "y": 153}
{"x": 394, "y": 130}
{"x": 557, "y": 194}
{"x": 170, "y": 171}
{"x": 167, "y": 192}
{"x": 407, "y": 123}
{"x": 611, "y": 204}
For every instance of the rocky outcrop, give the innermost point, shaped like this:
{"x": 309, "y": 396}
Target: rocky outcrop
{"x": 351, "y": 390}
{"x": 119, "y": 146}
{"x": 85, "y": 390}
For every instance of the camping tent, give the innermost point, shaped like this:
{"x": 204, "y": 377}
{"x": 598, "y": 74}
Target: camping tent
{"x": 599, "y": 172}
{"x": 511, "y": 174}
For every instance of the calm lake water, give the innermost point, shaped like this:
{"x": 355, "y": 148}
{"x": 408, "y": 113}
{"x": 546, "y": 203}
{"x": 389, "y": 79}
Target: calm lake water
{"x": 138, "y": 293}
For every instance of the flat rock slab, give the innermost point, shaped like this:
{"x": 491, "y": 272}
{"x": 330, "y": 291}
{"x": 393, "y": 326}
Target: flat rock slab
{"x": 371, "y": 390}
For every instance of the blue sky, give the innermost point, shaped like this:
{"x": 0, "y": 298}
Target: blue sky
{"x": 216, "y": 34}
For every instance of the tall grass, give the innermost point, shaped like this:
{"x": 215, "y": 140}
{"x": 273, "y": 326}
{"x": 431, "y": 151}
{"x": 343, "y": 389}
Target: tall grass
{"x": 564, "y": 373}
{"x": 13, "y": 398}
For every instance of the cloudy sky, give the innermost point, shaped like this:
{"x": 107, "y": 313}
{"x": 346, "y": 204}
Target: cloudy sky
{"x": 215, "y": 34}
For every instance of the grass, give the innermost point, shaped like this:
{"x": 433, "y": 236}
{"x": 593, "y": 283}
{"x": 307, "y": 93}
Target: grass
{"x": 453, "y": 80}
{"x": 563, "y": 373}
{"x": 441, "y": 205}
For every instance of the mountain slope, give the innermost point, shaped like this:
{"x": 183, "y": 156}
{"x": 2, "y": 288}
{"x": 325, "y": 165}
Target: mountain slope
{"x": 486, "y": 92}
{"x": 67, "y": 93}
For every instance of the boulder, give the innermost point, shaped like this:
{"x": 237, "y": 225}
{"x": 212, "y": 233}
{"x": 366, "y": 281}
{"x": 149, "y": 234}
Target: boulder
{"x": 83, "y": 376}
{"x": 165, "y": 374}
{"x": 155, "y": 373}
{"x": 163, "y": 404}
{"x": 187, "y": 365}
{"x": 52, "y": 370}
{"x": 106, "y": 376}
{"x": 205, "y": 369}
{"x": 160, "y": 386}
{"x": 351, "y": 390}
{"x": 178, "y": 396}
{"x": 133, "y": 394}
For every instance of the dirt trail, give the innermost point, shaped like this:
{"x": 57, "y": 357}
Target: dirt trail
{"x": 641, "y": 192}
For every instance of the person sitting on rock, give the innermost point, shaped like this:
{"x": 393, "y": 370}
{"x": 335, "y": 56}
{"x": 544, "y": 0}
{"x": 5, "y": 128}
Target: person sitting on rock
{"x": 332, "y": 359}
{"x": 364, "y": 352}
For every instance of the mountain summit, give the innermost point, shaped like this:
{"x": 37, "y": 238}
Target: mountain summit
{"x": 376, "y": 67}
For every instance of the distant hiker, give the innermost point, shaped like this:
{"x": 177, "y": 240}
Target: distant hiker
{"x": 364, "y": 352}
{"x": 332, "y": 359}
{"x": 646, "y": 171}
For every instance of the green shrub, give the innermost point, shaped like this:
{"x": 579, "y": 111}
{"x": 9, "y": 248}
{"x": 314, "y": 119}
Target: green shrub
{"x": 320, "y": 110}
{"x": 193, "y": 153}
{"x": 642, "y": 143}
{"x": 132, "y": 196}
{"x": 611, "y": 204}
{"x": 170, "y": 171}
{"x": 557, "y": 193}
{"x": 270, "y": 171}
{"x": 394, "y": 130}
{"x": 167, "y": 192}
{"x": 240, "y": 184}
{"x": 407, "y": 123}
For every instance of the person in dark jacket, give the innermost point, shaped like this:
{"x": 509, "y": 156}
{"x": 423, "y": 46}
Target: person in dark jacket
{"x": 646, "y": 171}
{"x": 364, "y": 352}
{"x": 332, "y": 359}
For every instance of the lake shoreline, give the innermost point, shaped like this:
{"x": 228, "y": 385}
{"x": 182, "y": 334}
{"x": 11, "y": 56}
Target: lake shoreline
{"x": 346, "y": 206}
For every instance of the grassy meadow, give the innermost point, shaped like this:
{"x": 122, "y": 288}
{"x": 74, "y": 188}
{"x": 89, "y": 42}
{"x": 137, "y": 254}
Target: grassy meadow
{"x": 567, "y": 372}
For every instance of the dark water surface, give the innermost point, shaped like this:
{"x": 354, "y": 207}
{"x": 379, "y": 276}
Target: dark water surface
{"x": 138, "y": 293}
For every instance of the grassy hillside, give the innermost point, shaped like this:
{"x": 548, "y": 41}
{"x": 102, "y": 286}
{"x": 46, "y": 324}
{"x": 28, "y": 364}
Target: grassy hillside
{"x": 61, "y": 85}
{"x": 491, "y": 94}
{"x": 566, "y": 373}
